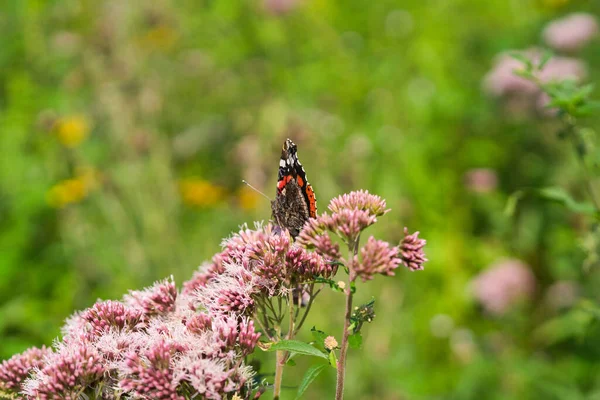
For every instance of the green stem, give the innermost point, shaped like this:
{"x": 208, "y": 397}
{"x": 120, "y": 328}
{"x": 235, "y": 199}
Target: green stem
{"x": 341, "y": 365}
{"x": 280, "y": 356}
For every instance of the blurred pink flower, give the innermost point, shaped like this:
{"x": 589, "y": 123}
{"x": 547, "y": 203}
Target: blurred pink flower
{"x": 481, "y": 180}
{"x": 571, "y": 32}
{"x": 562, "y": 68}
{"x": 503, "y": 284}
{"x": 280, "y": 7}
{"x": 411, "y": 251}
{"x": 15, "y": 370}
{"x": 562, "y": 294}
{"x": 502, "y": 79}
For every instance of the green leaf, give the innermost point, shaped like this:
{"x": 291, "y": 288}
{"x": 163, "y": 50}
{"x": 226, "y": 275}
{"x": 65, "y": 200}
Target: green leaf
{"x": 546, "y": 56}
{"x": 351, "y": 327}
{"x": 318, "y": 335}
{"x": 295, "y": 346}
{"x": 553, "y": 194}
{"x": 332, "y": 359}
{"x": 573, "y": 324}
{"x": 355, "y": 341}
{"x": 522, "y": 58}
{"x": 291, "y": 363}
{"x": 590, "y": 307}
{"x": 310, "y": 375}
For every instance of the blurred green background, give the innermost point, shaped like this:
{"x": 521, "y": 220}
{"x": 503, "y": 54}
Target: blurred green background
{"x": 126, "y": 128}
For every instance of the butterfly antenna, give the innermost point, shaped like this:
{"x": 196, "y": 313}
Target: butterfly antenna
{"x": 256, "y": 190}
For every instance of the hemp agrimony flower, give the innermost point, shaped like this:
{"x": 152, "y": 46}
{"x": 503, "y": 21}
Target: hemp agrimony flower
{"x": 160, "y": 343}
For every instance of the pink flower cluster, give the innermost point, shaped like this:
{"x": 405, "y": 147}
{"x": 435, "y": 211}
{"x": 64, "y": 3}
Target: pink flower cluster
{"x": 14, "y": 371}
{"x": 150, "y": 345}
{"x": 66, "y": 373}
{"x": 350, "y": 215}
{"x": 254, "y": 263}
{"x": 158, "y": 343}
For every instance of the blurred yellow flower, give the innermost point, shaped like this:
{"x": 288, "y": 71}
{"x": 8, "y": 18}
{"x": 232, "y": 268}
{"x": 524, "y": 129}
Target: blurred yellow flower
{"x": 161, "y": 37}
{"x": 248, "y": 198}
{"x": 201, "y": 193}
{"x": 73, "y": 130}
{"x": 74, "y": 190}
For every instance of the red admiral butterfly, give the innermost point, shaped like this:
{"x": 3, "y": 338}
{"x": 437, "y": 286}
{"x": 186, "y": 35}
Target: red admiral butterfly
{"x": 295, "y": 200}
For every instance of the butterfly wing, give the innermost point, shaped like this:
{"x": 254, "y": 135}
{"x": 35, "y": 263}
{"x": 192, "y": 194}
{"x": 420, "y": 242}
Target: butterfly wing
{"x": 295, "y": 200}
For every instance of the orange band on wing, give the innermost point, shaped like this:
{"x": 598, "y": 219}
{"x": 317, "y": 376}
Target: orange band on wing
{"x": 300, "y": 181}
{"x": 312, "y": 201}
{"x": 281, "y": 184}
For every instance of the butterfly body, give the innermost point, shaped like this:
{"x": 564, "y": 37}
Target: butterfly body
{"x": 295, "y": 200}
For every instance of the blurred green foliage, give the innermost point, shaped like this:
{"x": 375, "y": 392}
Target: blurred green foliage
{"x": 126, "y": 128}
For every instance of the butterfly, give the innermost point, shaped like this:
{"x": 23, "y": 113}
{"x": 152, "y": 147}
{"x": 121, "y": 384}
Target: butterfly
{"x": 295, "y": 200}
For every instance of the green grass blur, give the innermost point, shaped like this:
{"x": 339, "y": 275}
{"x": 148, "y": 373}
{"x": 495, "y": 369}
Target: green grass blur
{"x": 126, "y": 128}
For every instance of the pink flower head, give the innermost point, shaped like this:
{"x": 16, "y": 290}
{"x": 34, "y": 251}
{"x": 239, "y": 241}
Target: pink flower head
{"x": 266, "y": 257}
{"x": 314, "y": 236}
{"x": 231, "y": 333}
{"x": 211, "y": 379}
{"x": 156, "y": 300}
{"x": 351, "y": 214}
{"x": 234, "y": 248}
{"x": 66, "y": 373}
{"x": 265, "y": 262}
{"x": 150, "y": 374}
{"x": 376, "y": 257}
{"x": 234, "y": 251}
{"x": 228, "y": 294}
{"x": 15, "y": 370}
{"x": 114, "y": 345}
{"x": 411, "y": 251}
{"x": 199, "y": 323}
{"x": 359, "y": 200}
{"x": 571, "y": 32}
{"x": 106, "y": 315}
{"x": 348, "y": 224}
{"x": 201, "y": 277}
{"x": 503, "y": 284}
{"x": 304, "y": 265}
